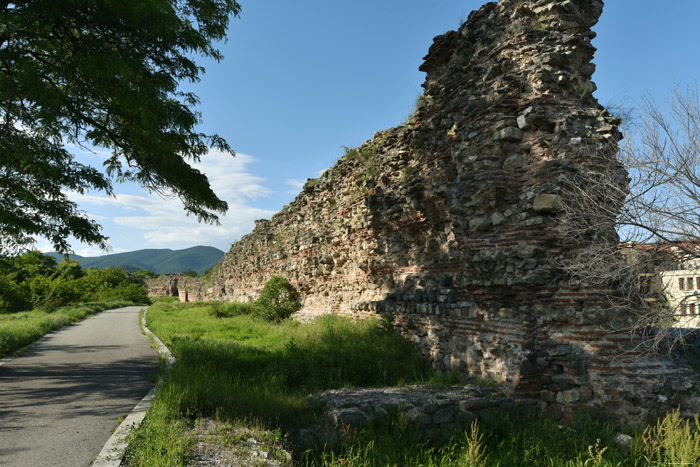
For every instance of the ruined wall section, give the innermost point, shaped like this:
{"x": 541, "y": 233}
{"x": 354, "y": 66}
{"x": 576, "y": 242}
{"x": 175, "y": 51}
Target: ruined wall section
{"x": 451, "y": 224}
{"x": 162, "y": 286}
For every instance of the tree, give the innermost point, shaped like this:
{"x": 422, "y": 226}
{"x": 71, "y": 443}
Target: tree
{"x": 103, "y": 74}
{"x": 658, "y": 225}
{"x": 69, "y": 269}
{"x": 189, "y": 273}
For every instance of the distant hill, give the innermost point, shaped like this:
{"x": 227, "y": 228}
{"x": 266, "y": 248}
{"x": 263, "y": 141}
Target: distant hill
{"x": 160, "y": 261}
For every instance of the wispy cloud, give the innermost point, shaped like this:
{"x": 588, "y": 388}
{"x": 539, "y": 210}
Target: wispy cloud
{"x": 163, "y": 222}
{"x": 295, "y": 183}
{"x": 89, "y": 252}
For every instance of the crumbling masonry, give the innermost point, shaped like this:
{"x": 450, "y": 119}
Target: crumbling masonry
{"x": 450, "y": 224}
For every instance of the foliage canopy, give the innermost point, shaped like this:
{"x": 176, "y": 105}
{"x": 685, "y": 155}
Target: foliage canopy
{"x": 102, "y": 74}
{"x": 34, "y": 280}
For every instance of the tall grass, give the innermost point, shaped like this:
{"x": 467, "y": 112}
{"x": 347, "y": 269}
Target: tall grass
{"x": 242, "y": 366}
{"x": 19, "y": 329}
{"x": 238, "y": 368}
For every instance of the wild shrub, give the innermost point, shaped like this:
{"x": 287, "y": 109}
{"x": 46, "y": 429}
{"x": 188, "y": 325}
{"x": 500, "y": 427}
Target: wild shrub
{"x": 134, "y": 293}
{"x": 13, "y": 295}
{"x": 672, "y": 440}
{"x": 278, "y": 300}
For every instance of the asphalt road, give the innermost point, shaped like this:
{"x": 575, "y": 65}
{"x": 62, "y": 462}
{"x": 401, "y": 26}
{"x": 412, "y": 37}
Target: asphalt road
{"x": 60, "y": 402}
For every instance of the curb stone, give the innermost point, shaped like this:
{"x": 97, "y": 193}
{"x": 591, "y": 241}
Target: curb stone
{"x": 113, "y": 451}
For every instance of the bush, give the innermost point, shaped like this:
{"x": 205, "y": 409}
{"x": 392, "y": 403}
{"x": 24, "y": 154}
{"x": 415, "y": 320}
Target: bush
{"x": 134, "y": 293}
{"x": 14, "y": 296}
{"x": 278, "y": 300}
{"x": 61, "y": 292}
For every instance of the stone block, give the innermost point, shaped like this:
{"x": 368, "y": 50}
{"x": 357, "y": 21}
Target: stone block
{"x": 443, "y": 415}
{"x": 508, "y": 134}
{"x": 350, "y": 417}
{"x": 547, "y": 203}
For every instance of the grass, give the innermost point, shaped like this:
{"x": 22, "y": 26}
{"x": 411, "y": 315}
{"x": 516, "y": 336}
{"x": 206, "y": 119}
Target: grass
{"x": 19, "y": 329}
{"x": 245, "y": 367}
{"x": 241, "y": 370}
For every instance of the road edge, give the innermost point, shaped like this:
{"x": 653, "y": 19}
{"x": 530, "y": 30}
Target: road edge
{"x": 19, "y": 352}
{"x": 112, "y": 453}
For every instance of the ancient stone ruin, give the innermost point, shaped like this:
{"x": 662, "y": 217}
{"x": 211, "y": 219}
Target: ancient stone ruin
{"x": 450, "y": 224}
{"x": 163, "y": 286}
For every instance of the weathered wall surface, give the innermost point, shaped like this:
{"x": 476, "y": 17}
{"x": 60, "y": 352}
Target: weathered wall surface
{"x": 450, "y": 224}
{"x": 162, "y": 286}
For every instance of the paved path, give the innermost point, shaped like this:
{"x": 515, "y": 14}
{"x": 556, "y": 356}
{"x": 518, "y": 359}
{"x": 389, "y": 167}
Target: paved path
{"x": 60, "y": 402}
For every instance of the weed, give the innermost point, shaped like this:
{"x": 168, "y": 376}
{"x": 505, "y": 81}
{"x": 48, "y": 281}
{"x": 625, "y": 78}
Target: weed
{"x": 448, "y": 378}
{"x": 365, "y": 156}
{"x": 407, "y": 173}
{"x": 580, "y": 86}
{"x": 411, "y": 118}
{"x": 227, "y": 310}
{"x": 595, "y": 454}
{"x": 475, "y": 450}
{"x": 671, "y": 440}
{"x": 486, "y": 383}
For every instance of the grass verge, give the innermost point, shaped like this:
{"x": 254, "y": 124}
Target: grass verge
{"x": 19, "y": 329}
{"x": 239, "y": 369}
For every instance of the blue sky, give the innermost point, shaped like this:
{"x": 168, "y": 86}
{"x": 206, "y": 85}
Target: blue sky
{"x": 301, "y": 79}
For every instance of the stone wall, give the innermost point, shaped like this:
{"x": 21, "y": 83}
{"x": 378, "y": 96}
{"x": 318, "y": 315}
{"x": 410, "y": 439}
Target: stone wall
{"x": 161, "y": 286}
{"x": 451, "y": 223}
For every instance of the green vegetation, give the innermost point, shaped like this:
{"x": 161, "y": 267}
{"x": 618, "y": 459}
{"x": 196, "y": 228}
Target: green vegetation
{"x": 38, "y": 296}
{"x": 160, "y": 261}
{"x": 245, "y": 368}
{"x": 102, "y": 74}
{"x": 671, "y": 441}
{"x": 20, "y": 329}
{"x": 240, "y": 370}
{"x": 34, "y": 280}
{"x": 501, "y": 439}
{"x": 365, "y": 156}
{"x": 278, "y": 300}
{"x": 410, "y": 119}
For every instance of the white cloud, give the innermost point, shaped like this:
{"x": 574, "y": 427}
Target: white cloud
{"x": 46, "y": 248}
{"x": 295, "y": 183}
{"x": 90, "y": 252}
{"x": 97, "y": 217}
{"x": 88, "y": 151}
{"x": 163, "y": 223}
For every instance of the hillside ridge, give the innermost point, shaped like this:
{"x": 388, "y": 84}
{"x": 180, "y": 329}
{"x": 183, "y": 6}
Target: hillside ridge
{"x": 159, "y": 260}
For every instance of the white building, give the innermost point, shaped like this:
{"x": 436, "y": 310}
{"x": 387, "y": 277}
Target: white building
{"x": 682, "y": 290}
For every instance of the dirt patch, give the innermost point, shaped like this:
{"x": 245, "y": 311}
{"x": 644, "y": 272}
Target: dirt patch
{"x": 225, "y": 444}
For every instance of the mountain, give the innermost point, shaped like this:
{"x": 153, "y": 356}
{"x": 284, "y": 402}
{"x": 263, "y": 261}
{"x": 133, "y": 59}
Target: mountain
{"x": 160, "y": 261}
